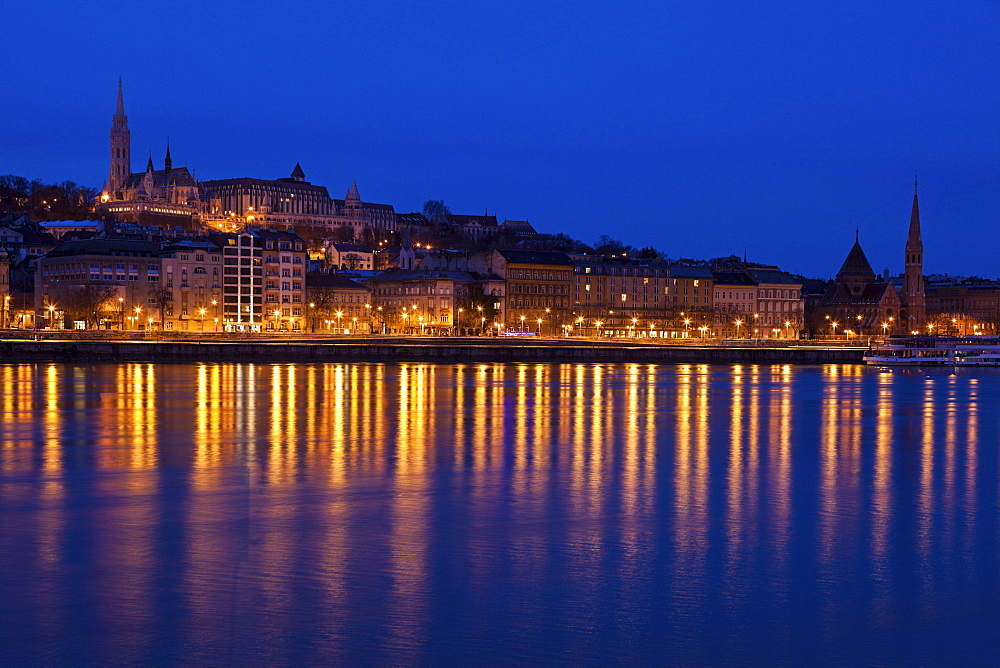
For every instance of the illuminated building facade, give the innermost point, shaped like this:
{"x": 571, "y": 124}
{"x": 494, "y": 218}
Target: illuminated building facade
{"x": 336, "y": 303}
{"x": 192, "y": 271}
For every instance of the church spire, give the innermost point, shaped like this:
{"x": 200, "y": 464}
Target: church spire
{"x": 168, "y": 164}
{"x": 913, "y": 240}
{"x": 120, "y": 109}
{"x": 149, "y": 165}
{"x": 913, "y": 297}
{"x": 121, "y": 142}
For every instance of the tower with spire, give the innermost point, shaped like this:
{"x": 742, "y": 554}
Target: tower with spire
{"x": 913, "y": 299}
{"x": 121, "y": 146}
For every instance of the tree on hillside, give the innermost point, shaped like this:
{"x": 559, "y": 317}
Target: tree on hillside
{"x": 435, "y": 210}
{"x": 605, "y": 245}
{"x": 45, "y": 201}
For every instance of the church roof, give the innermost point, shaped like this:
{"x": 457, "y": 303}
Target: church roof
{"x": 856, "y": 263}
{"x": 297, "y": 173}
{"x": 178, "y": 176}
{"x": 352, "y": 192}
{"x": 840, "y": 294}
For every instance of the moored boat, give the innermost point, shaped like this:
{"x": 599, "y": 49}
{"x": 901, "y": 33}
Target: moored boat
{"x": 936, "y": 351}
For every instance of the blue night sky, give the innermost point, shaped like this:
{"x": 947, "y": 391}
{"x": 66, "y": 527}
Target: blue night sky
{"x": 697, "y": 127}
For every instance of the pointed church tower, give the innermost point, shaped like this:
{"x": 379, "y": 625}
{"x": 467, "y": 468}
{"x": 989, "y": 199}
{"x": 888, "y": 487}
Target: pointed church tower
{"x": 168, "y": 164}
{"x": 297, "y": 174}
{"x": 856, "y": 272}
{"x": 913, "y": 298}
{"x": 121, "y": 146}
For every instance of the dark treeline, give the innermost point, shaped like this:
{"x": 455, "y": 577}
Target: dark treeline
{"x": 45, "y": 201}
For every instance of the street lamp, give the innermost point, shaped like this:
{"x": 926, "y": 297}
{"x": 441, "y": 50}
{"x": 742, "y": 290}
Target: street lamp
{"x": 598, "y": 325}
{"x": 738, "y": 323}
{"x": 276, "y": 314}
{"x": 201, "y": 311}
{"x": 834, "y": 324}
{"x": 121, "y": 313}
{"x": 539, "y": 330}
{"x": 339, "y": 314}
{"x": 522, "y": 323}
{"x": 788, "y": 323}
{"x": 52, "y": 309}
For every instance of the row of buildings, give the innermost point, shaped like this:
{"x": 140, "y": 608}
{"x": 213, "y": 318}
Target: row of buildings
{"x": 267, "y": 279}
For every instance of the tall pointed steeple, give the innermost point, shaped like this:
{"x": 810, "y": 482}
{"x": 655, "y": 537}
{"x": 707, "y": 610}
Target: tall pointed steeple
{"x": 149, "y": 165}
{"x": 120, "y": 109}
{"x": 298, "y": 174}
{"x": 121, "y": 146}
{"x": 168, "y": 164}
{"x": 913, "y": 298}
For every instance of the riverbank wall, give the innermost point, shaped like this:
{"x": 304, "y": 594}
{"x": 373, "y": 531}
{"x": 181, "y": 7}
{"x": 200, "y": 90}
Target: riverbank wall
{"x": 446, "y": 351}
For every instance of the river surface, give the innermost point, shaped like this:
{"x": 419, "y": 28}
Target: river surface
{"x": 401, "y": 514}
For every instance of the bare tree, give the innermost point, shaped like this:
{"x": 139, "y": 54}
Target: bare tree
{"x": 90, "y": 303}
{"x": 436, "y": 210}
{"x": 161, "y": 298}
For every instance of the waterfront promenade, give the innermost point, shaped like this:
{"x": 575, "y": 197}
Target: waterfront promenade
{"x": 308, "y": 347}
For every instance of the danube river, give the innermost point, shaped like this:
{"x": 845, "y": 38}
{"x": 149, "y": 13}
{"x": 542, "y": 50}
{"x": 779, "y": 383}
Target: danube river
{"x": 399, "y": 514}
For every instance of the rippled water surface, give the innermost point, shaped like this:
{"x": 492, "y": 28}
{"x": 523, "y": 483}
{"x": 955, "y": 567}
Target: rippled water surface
{"x": 241, "y": 513}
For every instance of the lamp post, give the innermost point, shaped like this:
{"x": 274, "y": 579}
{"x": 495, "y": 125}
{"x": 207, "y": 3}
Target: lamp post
{"x": 522, "y": 323}
{"x": 459, "y": 323}
{"x": 276, "y": 314}
{"x": 738, "y": 323}
{"x": 687, "y": 323}
{"x": 598, "y": 326}
{"x": 788, "y": 323}
{"x": 215, "y": 307}
{"x": 834, "y": 325}
{"x": 539, "y": 330}
{"x": 52, "y": 310}
{"x": 201, "y": 312}
{"x": 339, "y": 315}
{"x": 138, "y": 310}
{"x": 312, "y": 314}
{"x": 121, "y": 313}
